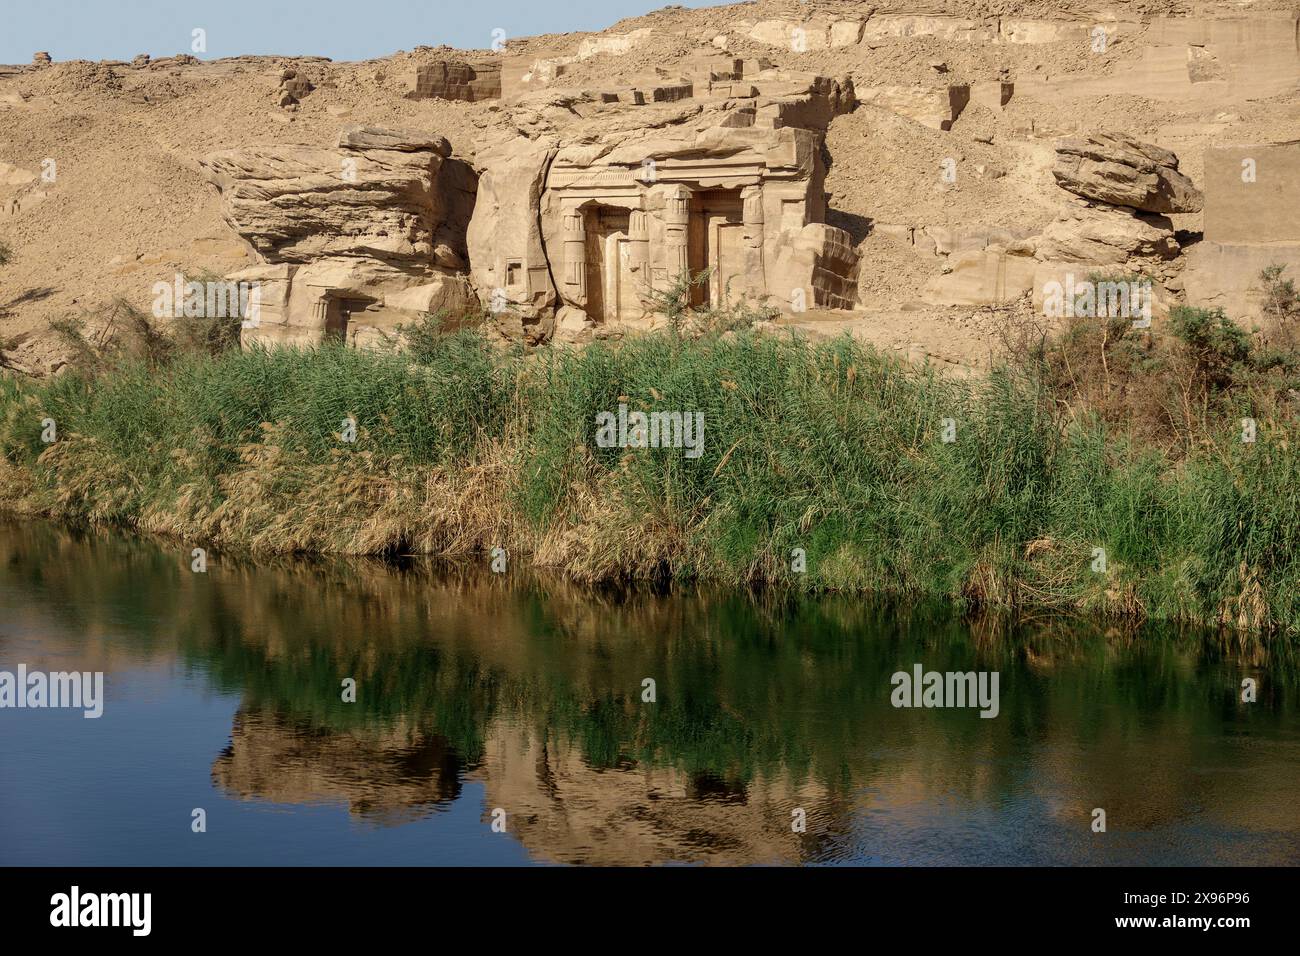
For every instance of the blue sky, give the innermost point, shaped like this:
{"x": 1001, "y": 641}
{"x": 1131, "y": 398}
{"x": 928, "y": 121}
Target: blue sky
{"x": 340, "y": 29}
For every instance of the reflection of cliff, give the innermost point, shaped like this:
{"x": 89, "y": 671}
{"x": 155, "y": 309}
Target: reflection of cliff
{"x": 391, "y": 774}
{"x": 535, "y": 691}
{"x": 566, "y": 811}
{"x": 559, "y": 806}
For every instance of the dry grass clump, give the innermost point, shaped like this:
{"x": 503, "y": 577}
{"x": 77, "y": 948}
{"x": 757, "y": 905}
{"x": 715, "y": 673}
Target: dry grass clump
{"x": 880, "y": 475}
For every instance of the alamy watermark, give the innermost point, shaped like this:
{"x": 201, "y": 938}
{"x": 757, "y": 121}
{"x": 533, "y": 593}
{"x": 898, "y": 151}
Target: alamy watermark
{"x": 209, "y": 299}
{"x": 75, "y": 908}
{"x": 651, "y": 430}
{"x": 1104, "y": 298}
{"x": 923, "y": 688}
{"x": 82, "y": 690}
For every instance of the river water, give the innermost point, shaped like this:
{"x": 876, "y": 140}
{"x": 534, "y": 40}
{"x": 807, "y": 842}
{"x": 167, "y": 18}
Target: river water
{"x": 504, "y": 719}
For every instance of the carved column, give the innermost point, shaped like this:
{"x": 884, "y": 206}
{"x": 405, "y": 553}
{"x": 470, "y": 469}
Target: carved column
{"x": 752, "y": 217}
{"x": 575, "y": 257}
{"x": 677, "y": 218}
{"x": 320, "y": 314}
{"x": 638, "y": 245}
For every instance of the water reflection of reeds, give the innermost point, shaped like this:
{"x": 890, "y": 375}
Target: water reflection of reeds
{"x": 764, "y": 703}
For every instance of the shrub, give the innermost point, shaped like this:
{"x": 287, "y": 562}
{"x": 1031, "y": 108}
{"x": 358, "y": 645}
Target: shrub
{"x": 1216, "y": 343}
{"x": 1281, "y": 309}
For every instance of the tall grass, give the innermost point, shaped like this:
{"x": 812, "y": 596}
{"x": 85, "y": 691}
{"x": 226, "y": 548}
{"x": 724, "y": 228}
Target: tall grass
{"x": 828, "y": 448}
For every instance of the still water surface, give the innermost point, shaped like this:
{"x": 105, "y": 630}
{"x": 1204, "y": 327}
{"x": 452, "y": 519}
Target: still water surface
{"x": 476, "y": 692}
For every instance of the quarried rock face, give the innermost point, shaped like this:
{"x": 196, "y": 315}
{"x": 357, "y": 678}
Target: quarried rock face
{"x": 508, "y": 261}
{"x": 1122, "y": 171}
{"x": 585, "y": 207}
{"x": 594, "y": 218}
{"x": 547, "y": 70}
{"x": 1252, "y": 194}
{"x": 455, "y": 80}
{"x": 821, "y": 260}
{"x": 353, "y": 241}
{"x": 1198, "y": 62}
{"x": 935, "y": 107}
{"x": 983, "y": 277}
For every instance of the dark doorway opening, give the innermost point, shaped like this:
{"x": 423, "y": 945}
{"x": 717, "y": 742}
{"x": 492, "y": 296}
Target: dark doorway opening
{"x": 716, "y": 245}
{"x": 606, "y": 228}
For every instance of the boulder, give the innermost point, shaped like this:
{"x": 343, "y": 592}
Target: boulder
{"x": 402, "y": 140}
{"x": 353, "y": 242}
{"x": 295, "y": 85}
{"x": 573, "y": 327}
{"x": 1105, "y": 236}
{"x": 1123, "y": 171}
{"x": 379, "y": 194}
{"x": 935, "y": 107}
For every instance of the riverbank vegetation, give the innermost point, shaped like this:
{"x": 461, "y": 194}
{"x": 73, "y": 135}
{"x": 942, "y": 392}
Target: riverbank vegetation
{"x": 1103, "y": 469}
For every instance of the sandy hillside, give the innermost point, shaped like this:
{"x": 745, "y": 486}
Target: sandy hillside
{"x": 129, "y": 205}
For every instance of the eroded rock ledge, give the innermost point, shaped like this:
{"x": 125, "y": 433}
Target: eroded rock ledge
{"x": 579, "y": 209}
{"x": 353, "y": 240}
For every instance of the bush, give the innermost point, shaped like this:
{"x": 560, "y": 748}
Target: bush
{"x": 129, "y": 334}
{"x": 674, "y": 302}
{"x": 1217, "y": 345}
{"x": 1281, "y": 309}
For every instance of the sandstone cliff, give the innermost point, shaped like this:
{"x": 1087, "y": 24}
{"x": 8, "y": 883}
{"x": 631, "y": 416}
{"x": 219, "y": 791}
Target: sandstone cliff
{"x": 945, "y": 160}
